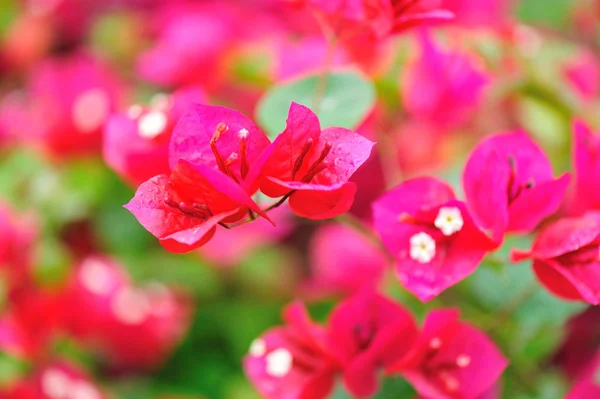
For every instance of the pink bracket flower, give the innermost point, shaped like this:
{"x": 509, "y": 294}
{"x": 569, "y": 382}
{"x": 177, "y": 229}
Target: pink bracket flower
{"x": 451, "y": 359}
{"x": 291, "y": 362}
{"x": 313, "y": 166}
{"x": 566, "y": 258}
{"x": 367, "y": 332}
{"x": 431, "y": 234}
{"x": 509, "y": 184}
{"x": 586, "y": 162}
{"x": 215, "y": 159}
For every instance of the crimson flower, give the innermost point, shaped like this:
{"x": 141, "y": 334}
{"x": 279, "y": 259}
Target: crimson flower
{"x": 292, "y": 362}
{"x": 368, "y": 332}
{"x": 451, "y": 359}
{"x": 509, "y": 184}
{"x": 312, "y": 166}
{"x": 431, "y": 234}
{"x": 566, "y": 257}
{"x": 214, "y": 159}
{"x": 136, "y": 143}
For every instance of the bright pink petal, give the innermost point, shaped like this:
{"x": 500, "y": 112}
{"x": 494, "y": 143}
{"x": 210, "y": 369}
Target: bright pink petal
{"x": 537, "y": 203}
{"x": 586, "y": 161}
{"x": 410, "y": 21}
{"x": 192, "y": 135}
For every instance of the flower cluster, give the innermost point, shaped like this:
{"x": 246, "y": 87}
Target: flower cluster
{"x": 367, "y": 334}
{"x": 219, "y": 158}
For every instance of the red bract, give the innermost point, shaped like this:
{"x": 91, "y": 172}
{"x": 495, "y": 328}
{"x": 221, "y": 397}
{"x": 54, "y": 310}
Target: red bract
{"x": 72, "y": 97}
{"x": 566, "y": 257}
{"x": 586, "y": 162}
{"x": 58, "y": 380}
{"x": 342, "y": 261}
{"x": 347, "y": 18}
{"x": 587, "y": 387}
{"x": 134, "y": 328}
{"x": 367, "y": 332}
{"x": 442, "y": 87}
{"x": 136, "y": 143}
{"x": 291, "y": 362}
{"x": 313, "y": 167}
{"x": 509, "y": 184}
{"x": 435, "y": 241}
{"x": 215, "y": 161}
{"x": 451, "y": 359}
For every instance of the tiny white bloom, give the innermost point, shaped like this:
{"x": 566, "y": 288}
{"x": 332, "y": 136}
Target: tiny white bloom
{"x": 435, "y": 343}
{"x": 463, "y": 361}
{"x": 83, "y": 390}
{"x": 258, "y": 348}
{"x": 130, "y": 306}
{"x": 422, "y": 247}
{"x": 279, "y": 363}
{"x": 243, "y": 133}
{"x": 152, "y": 124}
{"x": 90, "y": 110}
{"x": 95, "y": 276}
{"x": 449, "y": 220}
{"x": 56, "y": 384}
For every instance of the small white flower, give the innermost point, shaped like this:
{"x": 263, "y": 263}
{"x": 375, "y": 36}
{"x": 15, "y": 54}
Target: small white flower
{"x": 463, "y": 361}
{"x": 258, "y": 348}
{"x": 152, "y": 124}
{"x": 56, "y": 384}
{"x": 422, "y": 247}
{"x": 449, "y": 220}
{"x": 95, "y": 276}
{"x": 279, "y": 363}
{"x": 130, "y": 306}
{"x": 83, "y": 390}
{"x": 90, "y": 110}
{"x": 243, "y": 134}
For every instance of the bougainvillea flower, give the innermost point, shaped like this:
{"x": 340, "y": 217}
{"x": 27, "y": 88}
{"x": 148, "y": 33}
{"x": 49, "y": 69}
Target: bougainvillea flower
{"x": 57, "y": 380}
{"x": 72, "y": 97}
{"x": 313, "y": 167}
{"x": 442, "y": 87}
{"x": 136, "y": 143}
{"x": 451, "y": 359}
{"x": 566, "y": 257}
{"x": 215, "y": 158}
{"x": 583, "y": 75}
{"x": 586, "y": 163}
{"x": 342, "y": 261}
{"x": 432, "y": 235}
{"x": 580, "y": 343}
{"x": 347, "y": 18}
{"x": 509, "y": 184}
{"x": 291, "y": 362}
{"x": 134, "y": 328}
{"x": 587, "y": 387}
{"x": 368, "y": 332}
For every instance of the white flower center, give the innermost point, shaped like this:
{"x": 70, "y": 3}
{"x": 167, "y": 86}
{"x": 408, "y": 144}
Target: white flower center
{"x": 130, "y": 306}
{"x": 449, "y": 220}
{"x": 435, "y": 343}
{"x": 90, "y": 110}
{"x": 422, "y": 247}
{"x": 463, "y": 361}
{"x": 152, "y": 124}
{"x": 56, "y": 384}
{"x": 95, "y": 276}
{"x": 279, "y": 363}
{"x": 258, "y": 348}
{"x": 243, "y": 134}
{"x": 83, "y": 390}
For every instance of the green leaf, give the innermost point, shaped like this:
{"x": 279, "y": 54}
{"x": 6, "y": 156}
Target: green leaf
{"x": 348, "y": 98}
{"x": 554, "y": 12}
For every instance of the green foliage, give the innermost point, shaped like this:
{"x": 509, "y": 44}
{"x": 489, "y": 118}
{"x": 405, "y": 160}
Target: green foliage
{"x": 347, "y": 99}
